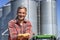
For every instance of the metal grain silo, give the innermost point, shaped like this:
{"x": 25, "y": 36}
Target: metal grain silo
{"x": 6, "y": 11}
{"x": 33, "y": 15}
{"x": 48, "y": 21}
{"x": 0, "y": 16}
{"x": 0, "y": 20}
{"x": 31, "y": 6}
{"x": 38, "y": 16}
{"x": 0, "y": 12}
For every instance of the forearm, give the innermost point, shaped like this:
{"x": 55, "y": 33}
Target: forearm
{"x": 13, "y": 37}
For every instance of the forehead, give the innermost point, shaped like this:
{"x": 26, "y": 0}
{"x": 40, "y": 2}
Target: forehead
{"x": 22, "y": 9}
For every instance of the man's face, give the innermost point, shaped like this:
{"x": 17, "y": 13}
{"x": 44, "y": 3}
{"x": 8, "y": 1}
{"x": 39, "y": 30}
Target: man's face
{"x": 21, "y": 14}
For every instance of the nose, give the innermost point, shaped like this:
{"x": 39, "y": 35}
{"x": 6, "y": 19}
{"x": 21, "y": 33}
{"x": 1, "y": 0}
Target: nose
{"x": 20, "y": 14}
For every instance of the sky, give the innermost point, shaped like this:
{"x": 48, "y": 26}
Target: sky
{"x": 58, "y": 15}
{"x": 2, "y": 2}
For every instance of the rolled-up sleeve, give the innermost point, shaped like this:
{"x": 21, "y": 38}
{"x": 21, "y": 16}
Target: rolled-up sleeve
{"x": 29, "y": 29}
{"x": 12, "y": 31}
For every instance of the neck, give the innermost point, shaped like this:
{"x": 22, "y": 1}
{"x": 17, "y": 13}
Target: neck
{"x": 20, "y": 21}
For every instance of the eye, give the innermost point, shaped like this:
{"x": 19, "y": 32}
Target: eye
{"x": 23, "y": 13}
{"x": 19, "y": 12}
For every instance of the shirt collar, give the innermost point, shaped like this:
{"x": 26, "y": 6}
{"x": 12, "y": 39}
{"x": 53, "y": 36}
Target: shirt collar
{"x": 25, "y": 21}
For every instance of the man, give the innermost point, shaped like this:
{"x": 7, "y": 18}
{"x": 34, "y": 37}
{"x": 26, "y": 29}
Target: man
{"x": 20, "y": 28}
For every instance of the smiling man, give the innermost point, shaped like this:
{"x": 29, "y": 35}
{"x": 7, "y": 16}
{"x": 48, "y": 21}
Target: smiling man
{"x": 20, "y": 28}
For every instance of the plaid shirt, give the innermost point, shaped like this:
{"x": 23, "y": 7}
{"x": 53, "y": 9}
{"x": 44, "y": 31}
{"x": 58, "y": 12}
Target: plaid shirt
{"x": 15, "y": 28}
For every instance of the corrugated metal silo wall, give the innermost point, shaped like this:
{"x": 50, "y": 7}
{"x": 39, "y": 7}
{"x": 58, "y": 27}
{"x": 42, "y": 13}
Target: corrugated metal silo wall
{"x": 0, "y": 20}
{"x": 38, "y": 17}
{"x": 31, "y": 6}
{"x": 48, "y": 17}
{"x": 54, "y": 18}
{"x": 0, "y": 12}
{"x": 6, "y": 16}
{"x": 33, "y": 15}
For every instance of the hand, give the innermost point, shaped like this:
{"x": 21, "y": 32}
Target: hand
{"x": 26, "y": 35}
{"x": 20, "y": 36}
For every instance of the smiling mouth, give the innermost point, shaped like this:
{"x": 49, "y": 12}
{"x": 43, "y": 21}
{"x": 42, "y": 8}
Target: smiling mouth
{"x": 20, "y": 16}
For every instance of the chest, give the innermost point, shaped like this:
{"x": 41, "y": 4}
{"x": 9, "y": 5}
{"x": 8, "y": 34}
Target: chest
{"x": 20, "y": 28}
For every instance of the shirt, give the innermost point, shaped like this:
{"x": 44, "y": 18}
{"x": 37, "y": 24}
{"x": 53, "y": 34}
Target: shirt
{"x": 15, "y": 28}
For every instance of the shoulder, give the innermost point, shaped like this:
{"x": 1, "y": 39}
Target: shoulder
{"x": 28, "y": 23}
{"x": 12, "y": 21}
